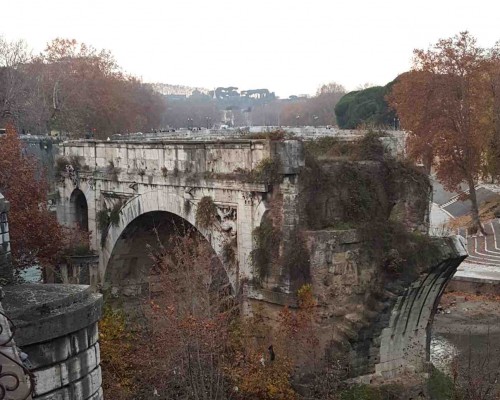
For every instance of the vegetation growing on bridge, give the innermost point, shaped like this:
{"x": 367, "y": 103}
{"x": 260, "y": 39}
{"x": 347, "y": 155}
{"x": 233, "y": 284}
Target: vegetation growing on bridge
{"x": 267, "y": 239}
{"x": 108, "y": 217}
{"x": 384, "y": 198}
{"x": 229, "y": 251}
{"x": 206, "y": 212}
{"x": 276, "y": 134}
{"x": 267, "y": 171}
{"x": 113, "y": 171}
{"x": 73, "y": 161}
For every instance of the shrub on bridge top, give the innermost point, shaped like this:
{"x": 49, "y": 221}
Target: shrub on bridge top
{"x": 268, "y": 171}
{"x": 61, "y": 164}
{"x": 367, "y": 148}
{"x": 206, "y": 212}
{"x": 277, "y": 134}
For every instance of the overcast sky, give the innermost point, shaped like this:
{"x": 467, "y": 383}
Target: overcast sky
{"x": 287, "y": 46}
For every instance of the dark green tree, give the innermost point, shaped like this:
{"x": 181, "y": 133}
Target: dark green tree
{"x": 365, "y": 107}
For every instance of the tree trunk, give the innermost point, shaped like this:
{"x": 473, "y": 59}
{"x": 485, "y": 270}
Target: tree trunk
{"x": 476, "y": 222}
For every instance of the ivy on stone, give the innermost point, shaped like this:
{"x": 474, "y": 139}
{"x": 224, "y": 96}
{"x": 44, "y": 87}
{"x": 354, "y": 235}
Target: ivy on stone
{"x": 206, "y": 212}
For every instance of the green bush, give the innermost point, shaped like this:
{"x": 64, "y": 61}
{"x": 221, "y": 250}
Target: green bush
{"x": 229, "y": 252}
{"x": 114, "y": 214}
{"x": 61, "y": 163}
{"x": 329, "y": 147}
{"x": 76, "y": 162}
{"x": 370, "y": 148}
{"x": 440, "y": 385}
{"x": 107, "y": 218}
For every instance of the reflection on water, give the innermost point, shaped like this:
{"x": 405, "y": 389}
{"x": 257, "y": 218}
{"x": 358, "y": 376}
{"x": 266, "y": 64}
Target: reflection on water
{"x": 473, "y": 357}
{"x": 442, "y": 353}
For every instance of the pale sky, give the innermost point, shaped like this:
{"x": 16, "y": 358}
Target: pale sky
{"x": 286, "y": 46}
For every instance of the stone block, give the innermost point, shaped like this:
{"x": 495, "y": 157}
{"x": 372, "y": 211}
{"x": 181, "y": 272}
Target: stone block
{"x": 78, "y": 366}
{"x": 48, "y": 379}
{"x": 58, "y": 394}
{"x": 48, "y": 353}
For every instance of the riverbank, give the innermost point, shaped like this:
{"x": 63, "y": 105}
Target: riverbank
{"x": 466, "y": 313}
{"x": 466, "y": 341}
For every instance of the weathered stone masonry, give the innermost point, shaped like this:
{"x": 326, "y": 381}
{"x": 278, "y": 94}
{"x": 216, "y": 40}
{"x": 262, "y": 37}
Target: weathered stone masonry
{"x": 165, "y": 176}
{"x": 387, "y": 334}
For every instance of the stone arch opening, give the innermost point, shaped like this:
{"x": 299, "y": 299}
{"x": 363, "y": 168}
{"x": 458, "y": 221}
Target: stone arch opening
{"x": 79, "y": 210}
{"x": 128, "y": 272}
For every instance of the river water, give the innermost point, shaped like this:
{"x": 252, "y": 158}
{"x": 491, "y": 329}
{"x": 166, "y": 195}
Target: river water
{"x": 466, "y": 342}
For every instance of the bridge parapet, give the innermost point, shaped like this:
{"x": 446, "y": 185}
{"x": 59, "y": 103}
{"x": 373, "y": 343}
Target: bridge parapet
{"x": 189, "y": 157}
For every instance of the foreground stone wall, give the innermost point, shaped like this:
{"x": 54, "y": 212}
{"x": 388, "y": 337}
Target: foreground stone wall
{"x": 57, "y": 329}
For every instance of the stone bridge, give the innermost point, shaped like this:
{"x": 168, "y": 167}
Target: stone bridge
{"x": 129, "y": 194}
{"x": 167, "y": 180}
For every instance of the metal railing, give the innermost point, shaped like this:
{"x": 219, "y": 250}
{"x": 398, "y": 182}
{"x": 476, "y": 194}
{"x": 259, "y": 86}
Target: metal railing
{"x": 16, "y": 381}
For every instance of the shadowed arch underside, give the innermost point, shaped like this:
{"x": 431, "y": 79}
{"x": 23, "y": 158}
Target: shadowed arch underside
{"x": 79, "y": 210}
{"x": 129, "y": 270}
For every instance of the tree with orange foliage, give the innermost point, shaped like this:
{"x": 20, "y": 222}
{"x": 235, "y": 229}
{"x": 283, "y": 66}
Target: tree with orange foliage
{"x": 35, "y": 234}
{"x": 445, "y": 104}
{"x": 194, "y": 343}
